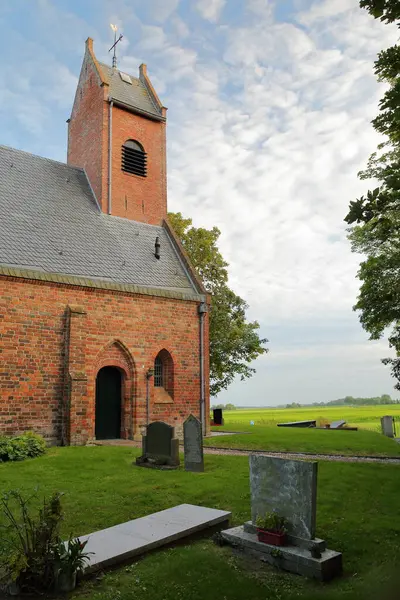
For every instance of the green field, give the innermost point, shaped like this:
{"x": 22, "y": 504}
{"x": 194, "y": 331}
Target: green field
{"x": 364, "y": 417}
{"x": 265, "y": 435}
{"x": 357, "y": 514}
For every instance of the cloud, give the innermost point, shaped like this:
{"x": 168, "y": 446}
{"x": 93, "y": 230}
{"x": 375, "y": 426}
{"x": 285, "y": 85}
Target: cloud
{"x": 268, "y": 125}
{"x": 210, "y": 9}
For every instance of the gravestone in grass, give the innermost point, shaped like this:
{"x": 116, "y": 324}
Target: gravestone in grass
{"x": 288, "y": 488}
{"x": 160, "y": 448}
{"x": 388, "y": 427}
{"x": 217, "y": 416}
{"x": 193, "y": 445}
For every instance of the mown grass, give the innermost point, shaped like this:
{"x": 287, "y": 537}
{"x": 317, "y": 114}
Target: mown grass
{"x": 316, "y": 441}
{"x": 265, "y": 435}
{"x": 365, "y": 417}
{"x": 357, "y": 514}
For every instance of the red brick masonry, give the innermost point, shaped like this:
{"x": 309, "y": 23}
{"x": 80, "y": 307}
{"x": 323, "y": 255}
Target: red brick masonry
{"x": 54, "y": 338}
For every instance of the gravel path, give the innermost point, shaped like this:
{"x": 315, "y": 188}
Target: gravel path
{"x": 296, "y": 455}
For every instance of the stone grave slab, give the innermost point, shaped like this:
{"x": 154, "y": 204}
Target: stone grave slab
{"x": 160, "y": 447}
{"x": 193, "y": 445}
{"x": 289, "y": 558}
{"x": 337, "y": 424}
{"x": 298, "y": 424}
{"x": 288, "y": 487}
{"x": 119, "y": 543}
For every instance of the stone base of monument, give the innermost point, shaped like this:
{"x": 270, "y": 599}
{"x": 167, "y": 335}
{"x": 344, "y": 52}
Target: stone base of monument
{"x": 309, "y": 558}
{"x": 154, "y": 463}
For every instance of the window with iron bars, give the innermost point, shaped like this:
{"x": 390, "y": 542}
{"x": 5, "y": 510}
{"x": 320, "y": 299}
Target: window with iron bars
{"x": 158, "y": 372}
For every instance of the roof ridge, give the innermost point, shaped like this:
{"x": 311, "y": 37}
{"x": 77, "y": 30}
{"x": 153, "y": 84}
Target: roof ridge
{"x": 52, "y": 160}
{"x": 118, "y": 70}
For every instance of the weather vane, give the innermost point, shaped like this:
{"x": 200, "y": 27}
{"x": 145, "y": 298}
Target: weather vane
{"x": 114, "y": 61}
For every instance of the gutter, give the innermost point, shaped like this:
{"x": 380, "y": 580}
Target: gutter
{"x": 138, "y": 111}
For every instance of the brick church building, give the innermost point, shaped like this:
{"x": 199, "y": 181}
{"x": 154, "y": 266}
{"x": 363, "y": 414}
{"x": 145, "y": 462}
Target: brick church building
{"x": 103, "y": 320}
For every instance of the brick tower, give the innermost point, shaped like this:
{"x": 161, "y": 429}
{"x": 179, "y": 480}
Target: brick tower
{"x": 117, "y": 133}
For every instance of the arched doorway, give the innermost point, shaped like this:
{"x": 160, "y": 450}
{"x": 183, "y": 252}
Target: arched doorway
{"x": 108, "y": 404}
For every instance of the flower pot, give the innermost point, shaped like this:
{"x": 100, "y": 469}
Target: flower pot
{"x": 270, "y": 537}
{"x": 66, "y": 582}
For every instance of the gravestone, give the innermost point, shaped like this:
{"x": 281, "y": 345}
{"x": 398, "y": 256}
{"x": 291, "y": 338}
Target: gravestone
{"x": 388, "y": 426}
{"x": 160, "y": 447}
{"x": 337, "y": 424}
{"x": 217, "y": 416}
{"x": 288, "y": 487}
{"x": 193, "y": 445}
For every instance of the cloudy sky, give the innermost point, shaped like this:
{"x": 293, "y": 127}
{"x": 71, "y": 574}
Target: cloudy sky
{"x": 270, "y": 103}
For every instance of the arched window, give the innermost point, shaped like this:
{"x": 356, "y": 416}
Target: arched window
{"x": 158, "y": 372}
{"x": 134, "y": 158}
{"x": 164, "y": 372}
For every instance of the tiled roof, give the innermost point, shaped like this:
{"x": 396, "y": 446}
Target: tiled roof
{"x": 50, "y": 222}
{"x": 135, "y": 95}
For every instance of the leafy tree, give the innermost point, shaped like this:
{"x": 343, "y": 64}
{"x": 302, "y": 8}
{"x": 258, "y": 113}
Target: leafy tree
{"x": 234, "y": 342}
{"x": 375, "y": 217}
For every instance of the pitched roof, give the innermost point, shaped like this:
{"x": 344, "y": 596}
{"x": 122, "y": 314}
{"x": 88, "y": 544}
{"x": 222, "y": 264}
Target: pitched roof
{"x": 135, "y": 95}
{"x": 50, "y": 222}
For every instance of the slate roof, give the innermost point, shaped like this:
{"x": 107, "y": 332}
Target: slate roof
{"x": 135, "y": 95}
{"x": 50, "y": 222}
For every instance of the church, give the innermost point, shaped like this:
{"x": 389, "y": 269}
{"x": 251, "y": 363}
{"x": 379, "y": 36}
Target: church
{"x": 104, "y": 323}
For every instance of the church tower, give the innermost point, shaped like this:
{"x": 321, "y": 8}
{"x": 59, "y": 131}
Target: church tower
{"x": 117, "y": 134}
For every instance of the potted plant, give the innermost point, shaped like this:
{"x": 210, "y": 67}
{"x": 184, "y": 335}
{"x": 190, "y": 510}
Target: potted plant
{"x": 272, "y": 529}
{"x": 70, "y": 561}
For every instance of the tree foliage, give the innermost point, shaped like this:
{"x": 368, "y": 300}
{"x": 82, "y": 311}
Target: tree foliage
{"x": 375, "y": 217}
{"x": 234, "y": 342}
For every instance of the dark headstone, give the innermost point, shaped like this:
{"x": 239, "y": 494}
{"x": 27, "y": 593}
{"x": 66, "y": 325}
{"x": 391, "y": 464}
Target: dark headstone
{"x": 193, "y": 445}
{"x": 160, "y": 448}
{"x": 217, "y": 416}
{"x": 298, "y": 424}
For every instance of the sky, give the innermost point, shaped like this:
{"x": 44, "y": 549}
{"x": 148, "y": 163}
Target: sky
{"x": 269, "y": 110}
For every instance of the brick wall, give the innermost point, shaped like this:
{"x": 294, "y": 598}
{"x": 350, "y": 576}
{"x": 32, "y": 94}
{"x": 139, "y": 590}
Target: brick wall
{"x": 54, "y": 339}
{"x": 87, "y": 133}
{"x": 133, "y": 197}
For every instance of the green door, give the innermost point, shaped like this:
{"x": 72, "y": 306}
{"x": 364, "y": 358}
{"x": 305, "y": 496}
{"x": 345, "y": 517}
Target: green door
{"x": 108, "y": 404}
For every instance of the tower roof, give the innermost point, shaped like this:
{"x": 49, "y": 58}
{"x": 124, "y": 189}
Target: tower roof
{"x": 131, "y": 91}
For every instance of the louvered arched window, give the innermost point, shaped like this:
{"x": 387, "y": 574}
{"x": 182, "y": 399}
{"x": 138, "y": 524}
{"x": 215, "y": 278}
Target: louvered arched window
{"x": 134, "y": 159}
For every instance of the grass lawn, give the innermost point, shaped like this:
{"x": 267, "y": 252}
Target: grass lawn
{"x": 357, "y": 514}
{"x": 364, "y": 417}
{"x": 318, "y": 441}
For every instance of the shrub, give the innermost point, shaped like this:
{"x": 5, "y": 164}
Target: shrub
{"x": 32, "y": 553}
{"x": 27, "y": 445}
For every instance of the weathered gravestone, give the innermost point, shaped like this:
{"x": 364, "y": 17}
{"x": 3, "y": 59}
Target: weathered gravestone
{"x": 288, "y": 488}
{"x": 160, "y": 448}
{"x": 193, "y": 445}
{"x": 388, "y": 428}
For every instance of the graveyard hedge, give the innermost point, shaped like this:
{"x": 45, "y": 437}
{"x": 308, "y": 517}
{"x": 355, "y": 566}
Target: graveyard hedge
{"x": 27, "y": 445}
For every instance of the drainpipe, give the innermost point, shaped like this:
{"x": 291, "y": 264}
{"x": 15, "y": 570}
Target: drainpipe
{"x": 202, "y": 314}
{"x": 109, "y": 153}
